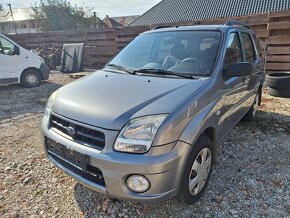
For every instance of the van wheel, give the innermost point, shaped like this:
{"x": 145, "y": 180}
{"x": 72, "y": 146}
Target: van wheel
{"x": 251, "y": 114}
{"x": 30, "y": 78}
{"x": 197, "y": 171}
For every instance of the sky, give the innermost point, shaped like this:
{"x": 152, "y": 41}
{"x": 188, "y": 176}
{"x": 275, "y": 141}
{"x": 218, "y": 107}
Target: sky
{"x": 112, "y": 8}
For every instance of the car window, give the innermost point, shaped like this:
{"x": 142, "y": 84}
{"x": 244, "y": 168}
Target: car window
{"x": 6, "y": 47}
{"x": 248, "y": 47}
{"x": 259, "y": 47}
{"x": 138, "y": 54}
{"x": 233, "y": 52}
{"x": 186, "y": 52}
{"x": 207, "y": 43}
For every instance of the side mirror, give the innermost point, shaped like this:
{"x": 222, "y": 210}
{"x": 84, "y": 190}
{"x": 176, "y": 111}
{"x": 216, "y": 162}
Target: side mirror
{"x": 238, "y": 70}
{"x": 16, "y": 50}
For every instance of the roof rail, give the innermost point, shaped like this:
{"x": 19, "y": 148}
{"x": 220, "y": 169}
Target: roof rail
{"x": 236, "y": 23}
{"x": 161, "y": 27}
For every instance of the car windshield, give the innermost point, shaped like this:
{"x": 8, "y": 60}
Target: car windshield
{"x": 181, "y": 52}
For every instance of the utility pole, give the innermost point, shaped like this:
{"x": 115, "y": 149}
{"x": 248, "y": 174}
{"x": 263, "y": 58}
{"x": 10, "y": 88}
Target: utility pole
{"x": 95, "y": 19}
{"x": 12, "y": 18}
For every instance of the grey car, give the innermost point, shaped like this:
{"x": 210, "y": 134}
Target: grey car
{"x": 147, "y": 126}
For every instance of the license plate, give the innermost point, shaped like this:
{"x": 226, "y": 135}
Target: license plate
{"x": 71, "y": 156}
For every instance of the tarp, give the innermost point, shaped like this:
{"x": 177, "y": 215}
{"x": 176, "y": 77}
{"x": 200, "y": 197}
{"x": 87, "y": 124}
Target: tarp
{"x": 72, "y": 58}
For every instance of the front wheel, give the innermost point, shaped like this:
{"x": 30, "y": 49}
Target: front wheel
{"x": 30, "y": 78}
{"x": 197, "y": 171}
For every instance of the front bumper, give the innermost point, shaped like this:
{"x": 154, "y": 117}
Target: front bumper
{"x": 163, "y": 171}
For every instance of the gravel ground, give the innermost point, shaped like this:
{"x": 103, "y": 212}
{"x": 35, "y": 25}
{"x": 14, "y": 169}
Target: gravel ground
{"x": 251, "y": 178}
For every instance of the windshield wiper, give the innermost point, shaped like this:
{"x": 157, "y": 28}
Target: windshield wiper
{"x": 162, "y": 72}
{"x": 121, "y": 68}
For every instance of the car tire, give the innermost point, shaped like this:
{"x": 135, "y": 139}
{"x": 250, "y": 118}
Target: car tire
{"x": 251, "y": 114}
{"x": 284, "y": 93}
{"x": 30, "y": 78}
{"x": 197, "y": 171}
{"x": 278, "y": 80}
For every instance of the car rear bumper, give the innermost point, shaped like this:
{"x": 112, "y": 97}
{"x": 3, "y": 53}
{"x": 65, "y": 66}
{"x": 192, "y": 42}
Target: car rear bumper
{"x": 163, "y": 171}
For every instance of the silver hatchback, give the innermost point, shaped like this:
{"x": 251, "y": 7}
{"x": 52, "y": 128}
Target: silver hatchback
{"x": 147, "y": 126}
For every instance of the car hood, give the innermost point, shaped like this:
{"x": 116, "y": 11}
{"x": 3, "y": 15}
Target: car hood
{"x": 109, "y": 100}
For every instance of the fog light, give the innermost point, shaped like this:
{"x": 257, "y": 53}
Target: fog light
{"x": 138, "y": 183}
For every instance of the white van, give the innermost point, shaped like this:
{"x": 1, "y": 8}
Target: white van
{"x": 18, "y": 65}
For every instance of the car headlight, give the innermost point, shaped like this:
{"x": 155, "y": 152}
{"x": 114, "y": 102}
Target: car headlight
{"x": 48, "y": 107}
{"x": 137, "y": 136}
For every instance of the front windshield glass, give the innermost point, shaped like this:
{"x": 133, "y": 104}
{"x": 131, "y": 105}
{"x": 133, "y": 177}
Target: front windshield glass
{"x": 184, "y": 52}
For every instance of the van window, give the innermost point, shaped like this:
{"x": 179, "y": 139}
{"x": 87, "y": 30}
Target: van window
{"x": 6, "y": 47}
{"x": 249, "y": 47}
{"x": 233, "y": 52}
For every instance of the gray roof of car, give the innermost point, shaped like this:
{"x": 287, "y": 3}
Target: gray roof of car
{"x": 170, "y": 11}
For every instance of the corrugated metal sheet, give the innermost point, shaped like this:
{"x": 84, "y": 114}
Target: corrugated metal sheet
{"x": 168, "y": 11}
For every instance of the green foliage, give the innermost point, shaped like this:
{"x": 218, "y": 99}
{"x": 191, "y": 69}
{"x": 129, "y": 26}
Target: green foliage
{"x": 56, "y": 15}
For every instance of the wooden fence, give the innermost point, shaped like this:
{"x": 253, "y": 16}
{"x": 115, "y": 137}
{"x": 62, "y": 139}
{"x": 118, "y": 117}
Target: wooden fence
{"x": 278, "y": 52}
{"x": 101, "y": 45}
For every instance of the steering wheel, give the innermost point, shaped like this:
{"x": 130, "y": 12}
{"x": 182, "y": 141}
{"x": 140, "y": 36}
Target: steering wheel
{"x": 202, "y": 65}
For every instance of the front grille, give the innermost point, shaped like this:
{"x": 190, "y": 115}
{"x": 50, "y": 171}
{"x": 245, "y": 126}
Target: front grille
{"x": 82, "y": 135}
{"x": 60, "y": 153}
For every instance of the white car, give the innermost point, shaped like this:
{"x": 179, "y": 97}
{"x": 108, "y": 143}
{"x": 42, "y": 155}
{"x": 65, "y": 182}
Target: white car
{"x": 19, "y": 65}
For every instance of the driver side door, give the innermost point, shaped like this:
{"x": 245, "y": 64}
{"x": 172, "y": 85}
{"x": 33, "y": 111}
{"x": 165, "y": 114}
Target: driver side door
{"x": 234, "y": 89}
{"x": 10, "y": 63}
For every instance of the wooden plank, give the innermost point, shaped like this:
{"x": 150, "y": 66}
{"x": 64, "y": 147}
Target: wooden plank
{"x": 278, "y": 58}
{"x": 123, "y": 40}
{"x": 280, "y": 32}
{"x": 279, "y": 25}
{"x": 259, "y": 27}
{"x": 279, "y": 40}
{"x": 278, "y": 50}
{"x": 101, "y": 43}
{"x": 279, "y": 14}
{"x": 262, "y": 33}
{"x": 278, "y": 66}
{"x": 102, "y": 52}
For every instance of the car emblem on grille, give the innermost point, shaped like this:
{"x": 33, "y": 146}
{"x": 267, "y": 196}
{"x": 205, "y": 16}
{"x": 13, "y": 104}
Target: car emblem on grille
{"x": 71, "y": 131}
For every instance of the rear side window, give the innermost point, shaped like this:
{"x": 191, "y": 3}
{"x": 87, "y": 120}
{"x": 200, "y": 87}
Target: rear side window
{"x": 233, "y": 52}
{"x": 249, "y": 47}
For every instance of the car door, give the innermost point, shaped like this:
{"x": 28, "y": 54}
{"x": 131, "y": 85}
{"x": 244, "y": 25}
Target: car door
{"x": 233, "y": 89}
{"x": 11, "y": 63}
{"x": 251, "y": 56}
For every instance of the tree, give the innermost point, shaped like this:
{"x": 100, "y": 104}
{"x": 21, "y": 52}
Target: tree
{"x": 1, "y": 7}
{"x": 56, "y": 15}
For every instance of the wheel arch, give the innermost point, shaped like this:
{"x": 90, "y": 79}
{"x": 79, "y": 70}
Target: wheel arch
{"x": 32, "y": 68}
{"x": 205, "y": 123}
{"x": 211, "y": 133}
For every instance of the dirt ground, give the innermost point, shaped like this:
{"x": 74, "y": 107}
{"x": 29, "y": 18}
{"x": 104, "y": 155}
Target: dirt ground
{"x": 251, "y": 177}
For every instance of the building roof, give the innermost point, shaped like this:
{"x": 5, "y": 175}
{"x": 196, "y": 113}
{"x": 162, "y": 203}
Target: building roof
{"x": 111, "y": 22}
{"x": 18, "y": 14}
{"x": 100, "y": 23}
{"x": 170, "y": 11}
{"x": 126, "y": 20}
